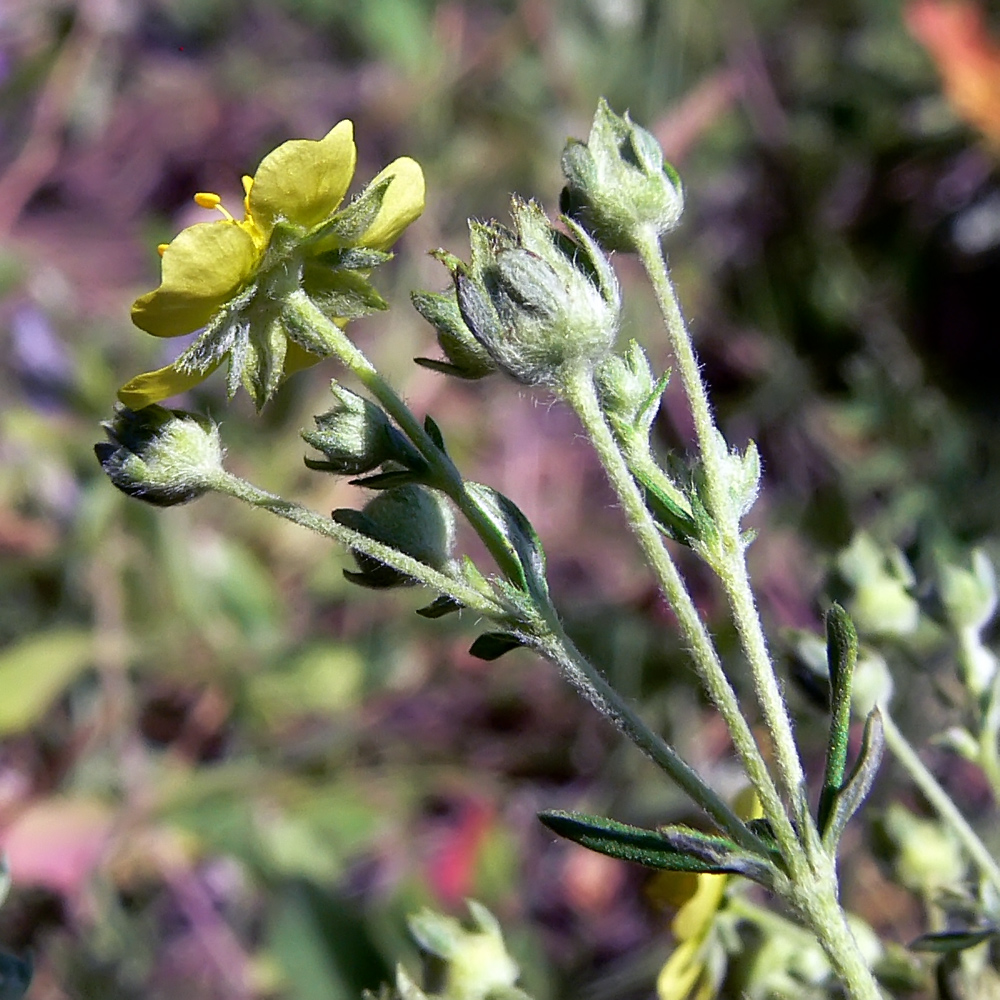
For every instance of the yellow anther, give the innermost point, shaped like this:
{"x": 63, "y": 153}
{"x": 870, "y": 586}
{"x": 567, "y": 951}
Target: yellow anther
{"x": 247, "y": 183}
{"x": 161, "y": 249}
{"x": 206, "y": 199}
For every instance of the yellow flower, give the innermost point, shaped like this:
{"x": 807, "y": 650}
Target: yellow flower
{"x": 696, "y": 967}
{"x": 231, "y": 277}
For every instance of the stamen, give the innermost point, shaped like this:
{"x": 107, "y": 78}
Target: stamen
{"x": 206, "y": 199}
{"x": 247, "y": 184}
{"x": 161, "y": 248}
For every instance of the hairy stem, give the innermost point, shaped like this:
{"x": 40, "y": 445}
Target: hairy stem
{"x": 233, "y": 486}
{"x": 556, "y": 646}
{"x": 940, "y": 800}
{"x": 731, "y": 562}
{"x": 446, "y": 476}
{"x": 578, "y": 389}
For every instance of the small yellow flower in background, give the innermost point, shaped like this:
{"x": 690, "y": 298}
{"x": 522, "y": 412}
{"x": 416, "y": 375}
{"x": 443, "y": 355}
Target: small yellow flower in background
{"x": 697, "y": 966}
{"x": 231, "y": 276}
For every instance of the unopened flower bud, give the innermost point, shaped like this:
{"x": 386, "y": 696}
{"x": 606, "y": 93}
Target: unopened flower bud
{"x": 878, "y": 581}
{"x": 467, "y": 358}
{"x": 356, "y": 436}
{"x": 476, "y": 962}
{"x": 164, "y": 457}
{"x": 618, "y": 181}
{"x": 415, "y": 520}
{"x": 535, "y": 299}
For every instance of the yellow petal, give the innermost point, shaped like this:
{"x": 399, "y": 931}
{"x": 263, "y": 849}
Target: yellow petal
{"x": 297, "y": 358}
{"x": 151, "y": 387}
{"x": 303, "y": 180}
{"x": 678, "y": 977}
{"x": 696, "y": 915}
{"x": 403, "y": 202}
{"x": 204, "y": 267}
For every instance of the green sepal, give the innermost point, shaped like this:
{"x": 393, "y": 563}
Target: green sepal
{"x": 841, "y": 657}
{"x": 384, "y": 480}
{"x": 492, "y": 645}
{"x": 669, "y": 848}
{"x": 467, "y": 358}
{"x": 351, "y": 223}
{"x": 353, "y": 258}
{"x": 517, "y": 534}
{"x": 949, "y": 942}
{"x": 434, "y": 433}
{"x": 859, "y": 783}
{"x": 440, "y": 606}
{"x": 672, "y": 519}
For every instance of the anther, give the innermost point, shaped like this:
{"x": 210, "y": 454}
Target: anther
{"x": 205, "y": 199}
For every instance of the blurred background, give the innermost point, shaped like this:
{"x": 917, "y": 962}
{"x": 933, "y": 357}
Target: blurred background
{"x": 226, "y": 773}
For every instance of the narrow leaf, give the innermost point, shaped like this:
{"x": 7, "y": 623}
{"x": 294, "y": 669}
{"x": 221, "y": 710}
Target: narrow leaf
{"x": 673, "y": 848}
{"x": 859, "y": 783}
{"x": 441, "y": 606}
{"x": 841, "y": 657}
{"x": 946, "y": 942}
{"x": 492, "y": 645}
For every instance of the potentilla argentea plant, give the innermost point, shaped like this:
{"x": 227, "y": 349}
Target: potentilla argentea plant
{"x": 537, "y": 301}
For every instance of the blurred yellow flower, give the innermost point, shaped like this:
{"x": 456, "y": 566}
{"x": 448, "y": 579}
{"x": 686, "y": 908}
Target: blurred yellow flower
{"x": 229, "y": 276}
{"x": 697, "y": 965}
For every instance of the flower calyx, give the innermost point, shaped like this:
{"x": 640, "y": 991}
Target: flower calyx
{"x": 617, "y": 182}
{"x": 232, "y": 278}
{"x": 356, "y": 436}
{"x": 411, "y": 519}
{"x": 538, "y": 301}
{"x": 164, "y": 457}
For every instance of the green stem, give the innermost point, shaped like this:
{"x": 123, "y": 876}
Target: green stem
{"x": 444, "y": 474}
{"x": 731, "y": 562}
{"x": 578, "y": 389}
{"x": 939, "y": 799}
{"x": 824, "y": 915}
{"x": 233, "y": 486}
{"x": 557, "y": 647}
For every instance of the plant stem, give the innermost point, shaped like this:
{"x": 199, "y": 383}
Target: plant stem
{"x": 940, "y": 800}
{"x": 233, "y": 486}
{"x": 731, "y": 563}
{"x": 557, "y": 647}
{"x": 446, "y": 476}
{"x": 578, "y": 389}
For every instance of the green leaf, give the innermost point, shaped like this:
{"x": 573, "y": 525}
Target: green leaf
{"x": 441, "y": 606}
{"x": 859, "y": 783}
{"x": 670, "y": 848}
{"x": 517, "y": 534}
{"x": 35, "y": 671}
{"x": 842, "y": 656}
{"x": 946, "y": 942}
{"x": 492, "y": 645}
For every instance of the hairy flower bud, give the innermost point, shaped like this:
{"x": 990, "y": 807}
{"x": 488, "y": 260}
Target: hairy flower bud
{"x": 356, "y": 436}
{"x": 535, "y": 299}
{"x": 415, "y": 520}
{"x": 618, "y": 181}
{"x": 164, "y": 457}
